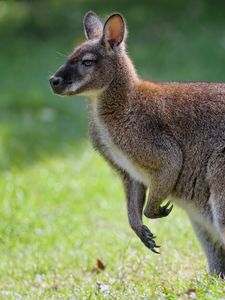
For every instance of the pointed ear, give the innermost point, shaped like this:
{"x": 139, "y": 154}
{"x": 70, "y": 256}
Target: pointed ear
{"x": 114, "y": 31}
{"x": 93, "y": 26}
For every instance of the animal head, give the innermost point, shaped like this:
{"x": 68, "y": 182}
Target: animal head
{"x": 93, "y": 65}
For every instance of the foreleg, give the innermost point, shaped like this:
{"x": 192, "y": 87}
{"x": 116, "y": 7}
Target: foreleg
{"x": 136, "y": 193}
{"x": 162, "y": 185}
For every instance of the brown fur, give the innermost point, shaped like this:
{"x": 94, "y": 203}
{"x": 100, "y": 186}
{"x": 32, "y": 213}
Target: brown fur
{"x": 165, "y": 137}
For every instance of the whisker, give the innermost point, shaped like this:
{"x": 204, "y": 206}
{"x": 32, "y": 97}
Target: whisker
{"x": 61, "y": 54}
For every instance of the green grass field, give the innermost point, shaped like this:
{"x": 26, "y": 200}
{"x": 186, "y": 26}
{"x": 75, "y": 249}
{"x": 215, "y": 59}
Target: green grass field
{"x": 61, "y": 206}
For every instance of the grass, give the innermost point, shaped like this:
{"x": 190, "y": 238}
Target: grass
{"x": 61, "y": 214}
{"x": 61, "y": 206}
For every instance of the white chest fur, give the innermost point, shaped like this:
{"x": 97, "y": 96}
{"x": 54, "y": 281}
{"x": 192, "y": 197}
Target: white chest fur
{"x": 118, "y": 156}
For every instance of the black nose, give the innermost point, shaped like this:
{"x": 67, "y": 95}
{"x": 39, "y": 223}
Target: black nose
{"x": 55, "y": 81}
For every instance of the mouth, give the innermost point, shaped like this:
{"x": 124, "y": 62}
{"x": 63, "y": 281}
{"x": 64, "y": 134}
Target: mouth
{"x": 62, "y": 90}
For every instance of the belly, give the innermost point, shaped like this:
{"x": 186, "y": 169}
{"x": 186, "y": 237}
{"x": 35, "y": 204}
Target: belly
{"x": 198, "y": 216}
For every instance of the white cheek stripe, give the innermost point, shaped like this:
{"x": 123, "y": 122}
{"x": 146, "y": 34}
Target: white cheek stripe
{"x": 74, "y": 87}
{"x": 77, "y": 85}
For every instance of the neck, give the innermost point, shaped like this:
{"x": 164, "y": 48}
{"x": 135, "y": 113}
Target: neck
{"x": 124, "y": 79}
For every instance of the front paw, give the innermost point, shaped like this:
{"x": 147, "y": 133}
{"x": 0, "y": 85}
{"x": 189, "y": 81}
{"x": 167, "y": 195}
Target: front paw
{"x": 159, "y": 212}
{"x": 148, "y": 239}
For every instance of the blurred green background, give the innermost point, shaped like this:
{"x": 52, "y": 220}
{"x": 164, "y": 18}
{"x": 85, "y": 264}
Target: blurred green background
{"x": 168, "y": 40}
{"x": 61, "y": 207}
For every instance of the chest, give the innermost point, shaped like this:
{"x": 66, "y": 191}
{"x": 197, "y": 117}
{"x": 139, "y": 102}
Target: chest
{"x": 113, "y": 151}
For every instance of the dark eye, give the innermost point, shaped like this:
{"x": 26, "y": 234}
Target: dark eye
{"x": 87, "y": 63}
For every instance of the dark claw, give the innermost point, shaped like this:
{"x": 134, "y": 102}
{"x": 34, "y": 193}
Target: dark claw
{"x": 153, "y": 250}
{"x": 159, "y": 212}
{"x": 167, "y": 204}
{"x": 163, "y": 210}
{"x": 148, "y": 239}
{"x": 166, "y": 209}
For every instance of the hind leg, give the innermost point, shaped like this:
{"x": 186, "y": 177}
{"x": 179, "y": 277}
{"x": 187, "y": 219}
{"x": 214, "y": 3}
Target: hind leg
{"x": 217, "y": 202}
{"x": 216, "y": 179}
{"x": 215, "y": 252}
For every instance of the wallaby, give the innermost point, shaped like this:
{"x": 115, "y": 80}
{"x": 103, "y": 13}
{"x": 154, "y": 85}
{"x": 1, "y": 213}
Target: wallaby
{"x": 164, "y": 138}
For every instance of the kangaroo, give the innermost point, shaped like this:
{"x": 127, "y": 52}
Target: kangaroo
{"x": 165, "y": 140}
